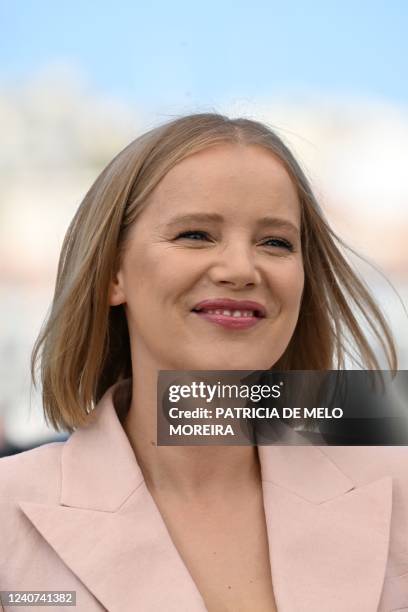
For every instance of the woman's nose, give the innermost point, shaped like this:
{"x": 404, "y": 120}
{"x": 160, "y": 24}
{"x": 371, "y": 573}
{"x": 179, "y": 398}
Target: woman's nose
{"x": 235, "y": 266}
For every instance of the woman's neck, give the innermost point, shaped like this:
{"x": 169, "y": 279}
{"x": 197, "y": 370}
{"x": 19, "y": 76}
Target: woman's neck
{"x": 183, "y": 470}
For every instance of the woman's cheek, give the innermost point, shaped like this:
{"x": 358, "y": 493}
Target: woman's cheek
{"x": 287, "y": 285}
{"x": 293, "y": 282}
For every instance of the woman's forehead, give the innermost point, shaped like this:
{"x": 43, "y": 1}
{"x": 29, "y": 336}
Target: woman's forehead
{"x": 227, "y": 163}
{"x": 227, "y": 177}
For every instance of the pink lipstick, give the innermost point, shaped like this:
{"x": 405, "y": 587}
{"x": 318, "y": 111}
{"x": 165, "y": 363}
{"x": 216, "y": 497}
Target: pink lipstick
{"x": 231, "y": 314}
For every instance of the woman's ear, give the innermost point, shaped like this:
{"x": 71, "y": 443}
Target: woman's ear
{"x": 116, "y": 292}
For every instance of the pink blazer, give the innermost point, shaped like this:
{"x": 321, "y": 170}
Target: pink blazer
{"x": 78, "y": 516}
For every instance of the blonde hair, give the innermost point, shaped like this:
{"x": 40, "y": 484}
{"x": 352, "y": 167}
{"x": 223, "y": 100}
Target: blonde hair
{"x": 84, "y": 343}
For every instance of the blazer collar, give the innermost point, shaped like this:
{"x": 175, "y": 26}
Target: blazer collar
{"x": 328, "y": 538}
{"x": 99, "y": 467}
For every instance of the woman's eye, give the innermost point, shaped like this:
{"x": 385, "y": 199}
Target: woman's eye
{"x": 193, "y": 235}
{"x": 279, "y": 242}
{"x": 199, "y": 236}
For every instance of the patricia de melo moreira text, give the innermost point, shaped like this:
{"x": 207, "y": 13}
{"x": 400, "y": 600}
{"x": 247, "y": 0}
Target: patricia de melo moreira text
{"x": 209, "y": 393}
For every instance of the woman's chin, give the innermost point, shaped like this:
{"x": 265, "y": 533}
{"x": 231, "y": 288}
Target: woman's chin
{"x": 219, "y": 363}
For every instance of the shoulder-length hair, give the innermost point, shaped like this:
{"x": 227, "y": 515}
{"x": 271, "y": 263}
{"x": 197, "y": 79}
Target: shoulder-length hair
{"x": 84, "y": 345}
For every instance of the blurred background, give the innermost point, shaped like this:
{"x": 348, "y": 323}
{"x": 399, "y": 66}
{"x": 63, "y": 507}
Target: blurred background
{"x": 80, "y": 80}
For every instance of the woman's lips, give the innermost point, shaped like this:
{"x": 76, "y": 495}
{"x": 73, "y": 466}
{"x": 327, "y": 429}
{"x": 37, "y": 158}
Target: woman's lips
{"x": 229, "y": 321}
{"x": 232, "y": 314}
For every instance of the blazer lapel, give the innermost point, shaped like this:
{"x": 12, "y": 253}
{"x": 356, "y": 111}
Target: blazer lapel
{"x": 107, "y": 528}
{"x": 328, "y": 540}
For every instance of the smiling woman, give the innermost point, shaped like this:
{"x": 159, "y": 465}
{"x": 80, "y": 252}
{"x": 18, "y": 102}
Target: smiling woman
{"x": 201, "y": 247}
{"x": 196, "y": 253}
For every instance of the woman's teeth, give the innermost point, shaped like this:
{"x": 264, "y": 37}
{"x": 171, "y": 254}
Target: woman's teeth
{"x": 231, "y": 313}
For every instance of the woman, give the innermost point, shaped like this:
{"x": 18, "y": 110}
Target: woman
{"x": 190, "y": 232}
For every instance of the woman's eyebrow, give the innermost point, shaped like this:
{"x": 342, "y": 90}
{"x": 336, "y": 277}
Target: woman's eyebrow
{"x": 193, "y": 218}
{"x": 279, "y": 223}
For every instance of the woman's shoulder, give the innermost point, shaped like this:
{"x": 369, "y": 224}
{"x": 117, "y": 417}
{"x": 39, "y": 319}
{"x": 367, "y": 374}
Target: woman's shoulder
{"x": 33, "y": 475}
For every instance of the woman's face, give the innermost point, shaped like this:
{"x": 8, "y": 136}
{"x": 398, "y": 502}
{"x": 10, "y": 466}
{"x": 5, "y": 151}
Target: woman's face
{"x": 212, "y": 277}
